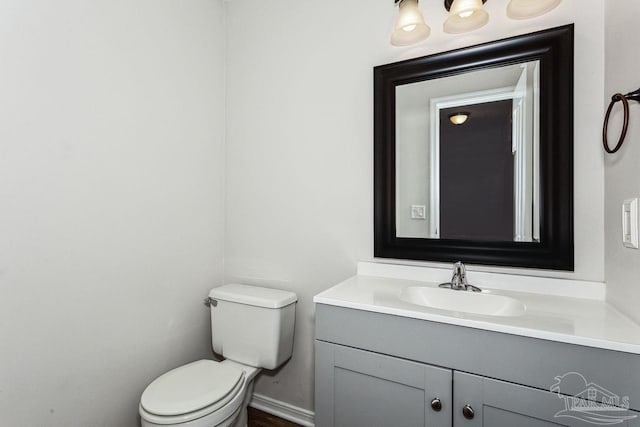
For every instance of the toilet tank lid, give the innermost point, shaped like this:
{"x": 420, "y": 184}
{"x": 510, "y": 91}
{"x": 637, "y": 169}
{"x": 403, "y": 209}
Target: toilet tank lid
{"x": 253, "y": 295}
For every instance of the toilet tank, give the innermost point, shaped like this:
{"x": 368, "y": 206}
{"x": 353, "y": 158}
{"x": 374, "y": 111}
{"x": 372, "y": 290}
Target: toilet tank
{"x": 253, "y": 325}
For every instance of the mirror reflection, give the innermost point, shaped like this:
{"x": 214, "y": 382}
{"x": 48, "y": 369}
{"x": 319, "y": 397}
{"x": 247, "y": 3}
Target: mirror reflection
{"x": 467, "y": 156}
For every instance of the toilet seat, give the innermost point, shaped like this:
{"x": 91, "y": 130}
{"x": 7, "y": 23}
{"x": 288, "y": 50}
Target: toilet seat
{"x": 200, "y": 389}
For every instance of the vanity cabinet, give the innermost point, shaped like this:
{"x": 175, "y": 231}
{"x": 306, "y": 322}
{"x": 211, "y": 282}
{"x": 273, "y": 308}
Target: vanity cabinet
{"x": 361, "y": 388}
{"x": 375, "y": 369}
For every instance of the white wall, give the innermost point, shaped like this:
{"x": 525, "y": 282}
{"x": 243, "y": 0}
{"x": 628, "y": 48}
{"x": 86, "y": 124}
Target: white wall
{"x": 111, "y": 190}
{"x": 300, "y": 144}
{"x": 622, "y": 176}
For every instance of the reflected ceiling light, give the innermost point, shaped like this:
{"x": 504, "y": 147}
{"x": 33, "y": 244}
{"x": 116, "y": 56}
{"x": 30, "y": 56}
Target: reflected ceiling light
{"x": 524, "y": 9}
{"x": 465, "y": 15}
{"x": 459, "y": 118}
{"x": 410, "y": 27}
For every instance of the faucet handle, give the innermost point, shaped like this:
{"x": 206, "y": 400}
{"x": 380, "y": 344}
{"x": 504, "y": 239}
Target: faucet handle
{"x": 459, "y": 279}
{"x": 459, "y": 272}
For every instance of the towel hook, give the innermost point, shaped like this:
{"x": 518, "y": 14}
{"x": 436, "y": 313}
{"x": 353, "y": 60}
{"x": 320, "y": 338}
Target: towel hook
{"x": 634, "y": 96}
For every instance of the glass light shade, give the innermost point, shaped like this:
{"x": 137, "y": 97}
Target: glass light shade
{"x": 459, "y": 118}
{"x": 464, "y": 16}
{"x": 410, "y": 27}
{"x": 524, "y": 9}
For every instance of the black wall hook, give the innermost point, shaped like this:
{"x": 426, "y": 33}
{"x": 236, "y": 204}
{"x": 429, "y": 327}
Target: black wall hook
{"x": 633, "y": 96}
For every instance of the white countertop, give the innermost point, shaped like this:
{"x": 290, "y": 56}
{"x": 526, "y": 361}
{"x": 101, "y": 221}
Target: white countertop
{"x": 581, "y": 321}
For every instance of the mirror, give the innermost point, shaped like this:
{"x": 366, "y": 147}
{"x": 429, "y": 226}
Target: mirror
{"x": 474, "y": 153}
{"x": 469, "y": 143}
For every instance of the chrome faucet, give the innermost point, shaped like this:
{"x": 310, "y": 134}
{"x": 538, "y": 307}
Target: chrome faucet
{"x": 459, "y": 280}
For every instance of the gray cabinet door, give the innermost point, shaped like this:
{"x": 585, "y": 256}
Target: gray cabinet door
{"x": 501, "y": 404}
{"x": 356, "y": 388}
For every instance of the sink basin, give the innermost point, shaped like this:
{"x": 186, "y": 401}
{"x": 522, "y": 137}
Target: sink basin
{"x": 463, "y": 301}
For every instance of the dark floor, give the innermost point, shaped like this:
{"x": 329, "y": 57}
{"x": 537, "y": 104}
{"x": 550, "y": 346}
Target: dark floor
{"x": 262, "y": 419}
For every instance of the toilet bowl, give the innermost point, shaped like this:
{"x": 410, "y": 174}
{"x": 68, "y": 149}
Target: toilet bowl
{"x": 205, "y": 393}
{"x": 252, "y": 326}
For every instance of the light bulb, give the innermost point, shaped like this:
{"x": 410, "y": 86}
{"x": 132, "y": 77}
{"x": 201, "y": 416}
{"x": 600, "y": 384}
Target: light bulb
{"x": 465, "y": 15}
{"x": 410, "y": 27}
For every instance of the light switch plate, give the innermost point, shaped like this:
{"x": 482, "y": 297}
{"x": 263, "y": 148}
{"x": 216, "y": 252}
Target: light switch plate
{"x": 418, "y": 212}
{"x": 630, "y": 223}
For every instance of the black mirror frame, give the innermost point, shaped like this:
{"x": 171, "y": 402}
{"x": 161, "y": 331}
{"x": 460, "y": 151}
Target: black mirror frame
{"x": 554, "y": 49}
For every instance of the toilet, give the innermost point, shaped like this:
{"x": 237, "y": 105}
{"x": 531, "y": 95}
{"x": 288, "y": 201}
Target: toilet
{"x": 252, "y": 328}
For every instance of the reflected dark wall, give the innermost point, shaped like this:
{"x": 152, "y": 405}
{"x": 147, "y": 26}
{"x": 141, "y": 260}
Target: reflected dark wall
{"x": 476, "y": 174}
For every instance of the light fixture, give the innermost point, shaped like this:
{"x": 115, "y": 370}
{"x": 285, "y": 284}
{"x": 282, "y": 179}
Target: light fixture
{"x": 524, "y": 9}
{"x": 465, "y": 15}
{"x": 459, "y": 118}
{"x": 410, "y": 27}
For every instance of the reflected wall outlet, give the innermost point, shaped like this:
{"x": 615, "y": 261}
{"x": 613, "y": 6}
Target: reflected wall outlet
{"x": 418, "y": 212}
{"x": 630, "y": 223}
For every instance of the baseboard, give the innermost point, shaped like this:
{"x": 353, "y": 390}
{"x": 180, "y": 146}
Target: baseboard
{"x": 286, "y": 411}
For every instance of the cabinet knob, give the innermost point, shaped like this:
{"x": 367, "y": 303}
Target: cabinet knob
{"x": 468, "y": 412}
{"x": 436, "y": 404}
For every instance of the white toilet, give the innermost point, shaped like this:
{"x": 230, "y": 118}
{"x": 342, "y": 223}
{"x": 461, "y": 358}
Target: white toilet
{"x": 252, "y": 328}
